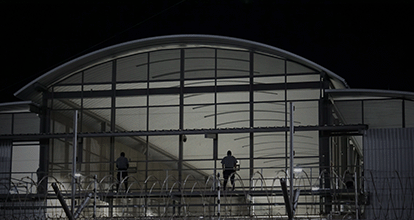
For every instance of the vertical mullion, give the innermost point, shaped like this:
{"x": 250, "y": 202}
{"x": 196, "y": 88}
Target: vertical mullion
{"x": 251, "y": 103}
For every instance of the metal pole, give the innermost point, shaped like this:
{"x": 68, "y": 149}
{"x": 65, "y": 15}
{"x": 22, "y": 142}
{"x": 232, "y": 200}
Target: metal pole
{"x": 75, "y": 141}
{"x": 95, "y": 177}
{"x": 356, "y": 196}
{"x": 291, "y": 152}
{"x": 62, "y": 201}
{"x": 82, "y": 206}
{"x": 218, "y": 196}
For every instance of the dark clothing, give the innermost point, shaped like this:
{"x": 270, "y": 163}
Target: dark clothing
{"x": 229, "y": 167}
{"x": 121, "y": 175}
{"x": 122, "y": 164}
{"x": 229, "y": 162}
{"x": 226, "y": 175}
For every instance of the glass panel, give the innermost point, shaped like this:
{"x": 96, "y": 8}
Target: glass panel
{"x": 165, "y": 65}
{"x": 131, "y": 101}
{"x": 96, "y": 157}
{"x": 74, "y": 79}
{"x": 269, "y": 114}
{"x": 199, "y": 117}
{"x": 270, "y": 95}
{"x": 65, "y": 103}
{"x": 303, "y": 94}
{"x": 131, "y": 119}
{"x": 164, "y": 100}
{"x": 168, "y": 84}
{"x": 163, "y": 55}
{"x": 409, "y": 114}
{"x": 67, "y": 88}
{"x": 227, "y": 82}
{"x": 200, "y": 53}
{"x": 350, "y": 112}
{"x": 269, "y": 152}
{"x": 25, "y": 161}
{"x": 133, "y": 68}
{"x": 198, "y": 98}
{"x": 100, "y": 73}
{"x": 198, "y": 147}
{"x": 96, "y": 103}
{"x": 383, "y": 113}
{"x": 61, "y": 121}
{"x": 306, "y": 143}
{"x": 304, "y": 78}
{"x": 162, "y": 118}
{"x": 267, "y": 65}
{"x": 232, "y": 63}
{"x": 164, "y": 149}
{"x": 91, "y": 88}
{"x": 199, "y": 63}
{"x": 306, "y": 113}
{"x": 223, "y": 97}
{"x": 97, "y": 120}
{"x": 236, "y": 115}
{"x": 293, "y": 67}
{"x": 269, "y": 79}
{"x": 5, "y": 123}
{"x": 199, "y": 83}
{"x": 26, "y": 123}
{"x": 122, "y": 86}
{"x": 60, "y": 152}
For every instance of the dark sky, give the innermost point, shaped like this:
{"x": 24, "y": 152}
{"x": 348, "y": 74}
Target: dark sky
{"x": 368, "y": 44}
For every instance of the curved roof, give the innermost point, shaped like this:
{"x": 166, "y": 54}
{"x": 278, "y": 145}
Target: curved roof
{"x": 32, "y": 90}
{"x": 368, "y": 94}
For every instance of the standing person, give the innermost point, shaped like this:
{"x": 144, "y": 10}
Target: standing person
{"x": 122, "y": 164}
{"x": 229, "y": 167}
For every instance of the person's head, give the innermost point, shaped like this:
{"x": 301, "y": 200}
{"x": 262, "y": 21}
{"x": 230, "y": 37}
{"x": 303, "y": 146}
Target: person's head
{"x": 229, "y": 153}
{"x": 122, "y": 154}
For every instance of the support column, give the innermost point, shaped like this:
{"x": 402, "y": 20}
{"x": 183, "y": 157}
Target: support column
{"x": 325, "y": 118}
{"x": 251, "y": 107}
{"x": 44, "y": 147}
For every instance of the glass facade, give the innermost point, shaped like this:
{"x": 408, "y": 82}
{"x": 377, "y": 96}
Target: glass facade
{"x": 176, "y": 109}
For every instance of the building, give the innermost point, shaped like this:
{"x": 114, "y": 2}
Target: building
{"x": 175, "y": 105}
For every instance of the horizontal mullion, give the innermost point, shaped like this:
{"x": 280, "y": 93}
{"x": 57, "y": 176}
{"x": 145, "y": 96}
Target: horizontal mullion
{"x": 176, "y": 90}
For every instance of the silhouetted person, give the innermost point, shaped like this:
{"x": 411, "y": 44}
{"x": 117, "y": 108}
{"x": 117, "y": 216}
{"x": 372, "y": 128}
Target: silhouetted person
{"x": 229, "y": 167}
{"x": 122, "y": 164}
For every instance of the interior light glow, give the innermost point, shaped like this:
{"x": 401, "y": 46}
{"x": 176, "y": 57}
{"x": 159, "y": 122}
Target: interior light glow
{"x": 297, "y": 170}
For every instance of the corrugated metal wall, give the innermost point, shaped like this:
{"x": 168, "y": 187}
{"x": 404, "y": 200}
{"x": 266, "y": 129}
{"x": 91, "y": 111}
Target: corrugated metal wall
{"x": 5, "y": 165}
{"x": 389, "y": 173}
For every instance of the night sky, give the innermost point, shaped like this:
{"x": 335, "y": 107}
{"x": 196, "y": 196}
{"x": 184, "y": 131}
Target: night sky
{"x": 368, "y": 44}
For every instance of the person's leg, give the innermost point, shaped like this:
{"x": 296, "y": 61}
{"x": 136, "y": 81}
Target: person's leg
{"x": 119, "y": 180}
{"x": 226, "y": 177}
{"x": 232, "y": 175}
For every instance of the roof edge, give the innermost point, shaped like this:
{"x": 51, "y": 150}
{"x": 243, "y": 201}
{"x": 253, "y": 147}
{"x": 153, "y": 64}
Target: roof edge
{"x": 111, "y": 52}
{"x": 371, "y": 92}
